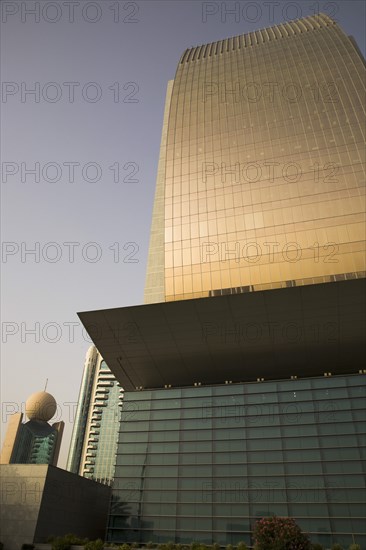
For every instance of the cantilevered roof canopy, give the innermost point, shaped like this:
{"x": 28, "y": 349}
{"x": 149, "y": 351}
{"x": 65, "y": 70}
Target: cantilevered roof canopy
{"x": 299, "y": 331}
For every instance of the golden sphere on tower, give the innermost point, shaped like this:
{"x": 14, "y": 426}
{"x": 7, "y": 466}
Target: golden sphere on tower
{"x": 40, "y": 406}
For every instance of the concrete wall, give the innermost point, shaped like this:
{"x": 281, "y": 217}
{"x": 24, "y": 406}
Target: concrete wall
{"x": 38, "y": 501}
{"x": 72, "y": 504}
{"x": 21, "y": 491}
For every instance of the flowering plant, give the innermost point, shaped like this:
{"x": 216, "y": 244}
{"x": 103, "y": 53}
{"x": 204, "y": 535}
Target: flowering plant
{"x": 276, "y": 533}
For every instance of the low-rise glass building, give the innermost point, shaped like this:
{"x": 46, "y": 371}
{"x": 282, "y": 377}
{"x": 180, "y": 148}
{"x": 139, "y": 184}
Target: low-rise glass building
{"x": 204, "y": 463}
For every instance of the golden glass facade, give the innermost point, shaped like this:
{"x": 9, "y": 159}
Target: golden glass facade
{"x": 261, "y": 171}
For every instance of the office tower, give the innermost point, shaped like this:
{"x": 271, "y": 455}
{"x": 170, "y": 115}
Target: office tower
{"x": 82, "y": 410}
{"x": 94, "y": 438}
{"x": 245, "y": 374}
{"x": 261, "y": 174}
{"x": 35, "y": 441}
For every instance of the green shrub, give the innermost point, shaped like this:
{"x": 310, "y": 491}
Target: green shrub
{"x": 337, "y": 546}
{"x": 135, "y": 545}
{"x": 149, "y": 544}
{"x": 94, "y": 545}
{"x": 242, "y": 546}
{"x": 124, "y": 546}
{"x": 65, "y": 542}
{"x": 354, "y": 547}
{"x": 75, "y": 540}
{"x": 230, "y": 547}
{"x": 317, "y": 546}
{"x": 275, "y": 533}
{"x": 60, "y": 543}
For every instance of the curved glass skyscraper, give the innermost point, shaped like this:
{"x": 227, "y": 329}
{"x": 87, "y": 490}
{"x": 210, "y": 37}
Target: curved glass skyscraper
{"x": 93, "y": 444}
{"x": 261, "y": 179}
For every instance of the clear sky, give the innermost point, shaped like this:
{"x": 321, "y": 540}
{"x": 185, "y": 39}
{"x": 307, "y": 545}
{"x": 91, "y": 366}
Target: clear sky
{"x": 79, "y": 158}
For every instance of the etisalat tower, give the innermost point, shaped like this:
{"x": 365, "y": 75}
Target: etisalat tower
{"x": 35, "y": 441}
{"x": 243, "y": 386}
